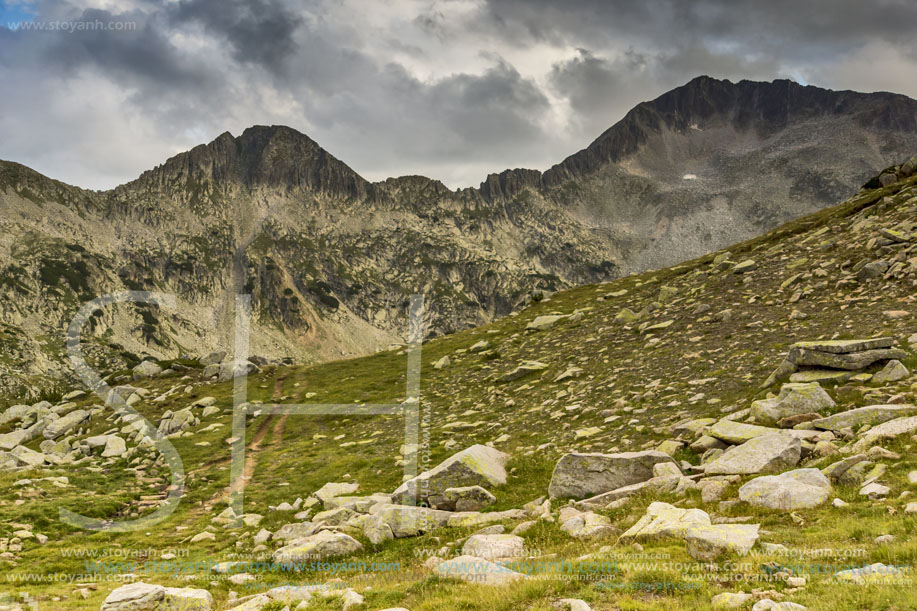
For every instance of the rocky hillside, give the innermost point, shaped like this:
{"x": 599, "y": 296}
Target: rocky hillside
{"x": 331, "y": 259}
{"x": 737, "y": 431}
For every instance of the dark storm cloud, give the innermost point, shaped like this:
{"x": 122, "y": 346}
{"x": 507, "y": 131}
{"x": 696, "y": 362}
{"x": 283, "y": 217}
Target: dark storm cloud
{"x": 450, "y": 88}
{"x": 143, "y": 55}
{"x": 805, "y": 24}
{"x": 257, "y": 31}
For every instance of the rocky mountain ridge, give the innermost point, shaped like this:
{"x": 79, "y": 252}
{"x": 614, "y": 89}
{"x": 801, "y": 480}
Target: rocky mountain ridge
{"x": 736, "y": 431}
{"x": 332, "y": 259}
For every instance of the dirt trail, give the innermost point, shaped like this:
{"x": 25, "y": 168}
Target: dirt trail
{"x": 253, "y": 449}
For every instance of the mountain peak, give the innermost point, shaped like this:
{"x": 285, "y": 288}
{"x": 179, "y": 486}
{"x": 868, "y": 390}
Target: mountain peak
{"x": 272, "y": 156}
{"x": 761, "y": 107}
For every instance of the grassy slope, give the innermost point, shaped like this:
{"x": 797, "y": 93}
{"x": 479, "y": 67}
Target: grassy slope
{"x": 696, "y": 367}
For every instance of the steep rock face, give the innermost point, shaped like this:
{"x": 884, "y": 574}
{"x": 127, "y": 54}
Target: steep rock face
{"x": 276, "y": 157}
{"x": 331, "y": 260}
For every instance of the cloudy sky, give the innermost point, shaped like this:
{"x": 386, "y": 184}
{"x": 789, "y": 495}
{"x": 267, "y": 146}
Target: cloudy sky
{"x": 96, "y": 91}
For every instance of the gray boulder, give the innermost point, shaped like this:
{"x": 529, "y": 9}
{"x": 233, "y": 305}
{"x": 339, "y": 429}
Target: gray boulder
{"x": 231, "y": 369}
{"x": 799, "y": 489}
{"x": 214, "y": 358}
{"x": 135, "y": 597}
{"x": 466, "y": 498}
{"x": 478, "y": 465}
{"x": 794, "y": 399}
{"x": 871, "y": 414}
{"x": 580, "y": 475}
{"x": 768, "y": 453}
{"x": 28, "y": 458}
{"x": 410, "y": 521}
{"x": 176, "y": 422}
{"x": 186, "y": 599}
{"x": 707, "y": 543}
{"x": 324, "y": 544}
{"x": 886, "y": 430}
{"x": 146, "y": 369}
{"x": 495, "y": 547}
{"x": 478, "y": 571}
{"x": 893, "y": 371}
{"x": 65, "y": 424}
{"x": 663, "y": 520}
{"x": 114, "y": 447}
{"x": 8, "y": 441}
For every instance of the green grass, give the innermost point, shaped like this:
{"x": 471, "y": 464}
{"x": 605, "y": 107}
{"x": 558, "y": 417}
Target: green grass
{"x": 700, "y": 366}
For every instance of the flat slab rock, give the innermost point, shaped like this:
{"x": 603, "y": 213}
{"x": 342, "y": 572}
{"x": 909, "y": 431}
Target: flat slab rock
{"x": 664, "y": 520}
{"x": 886, "y": 430}
{"x": 820, "y": 375}
{"x": 663, "y": 483}
{"x": 851, "y": 361}
{"x": 580, "y": 475}
{"x": 846, "y": 346}
{"x": 871, "y": 414}
{"x": 150, "y": 597}
{"x": 739, "y": 432}
{"x": 847, "y": 355}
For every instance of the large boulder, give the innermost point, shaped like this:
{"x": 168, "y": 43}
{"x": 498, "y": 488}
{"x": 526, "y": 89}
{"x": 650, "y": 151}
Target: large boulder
{"x": 466, "y": 498}
{"x": 176, "y": 422}
{"x": 893, "y": 371}
{"x": 495, "y": 547}
{"x": 478, "y": 465}
{"x": 836, "y": 471}
{"x": 28, "y": 458}
{"x": 707, "y": 543}
{"x": 146, "y": 369}
{"x": 294, "y": 531}
{"x": 65, "y": 424}
{"x": 580, "y": 475}
{"x": 770, "y": 453}
{"x": 410, "y": 521}
{"x": 585, "y": 524}
{"x": 871, "y": 414}
{"x": 114, "y": 447}
{"x": 135, "y": 597}
{"x": 14, "y": 413}
{"x": 324, "y": 544}
{"x": 662, "y": 520}
{"x": 186, "y": 599}
{"x": 476, "y": 571}
{"x": 799, "y": 489}
{"x": 737, "y": 432}
{"x": 886, "y": 430}
{"x": 847, "y": 354}
{"x": 231, "y": 369}
{"x": 214, "y": 358}
{"x": 794, "y": 399}
{"x": 332, "y": 490}
{"x": 8, "y": 441}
